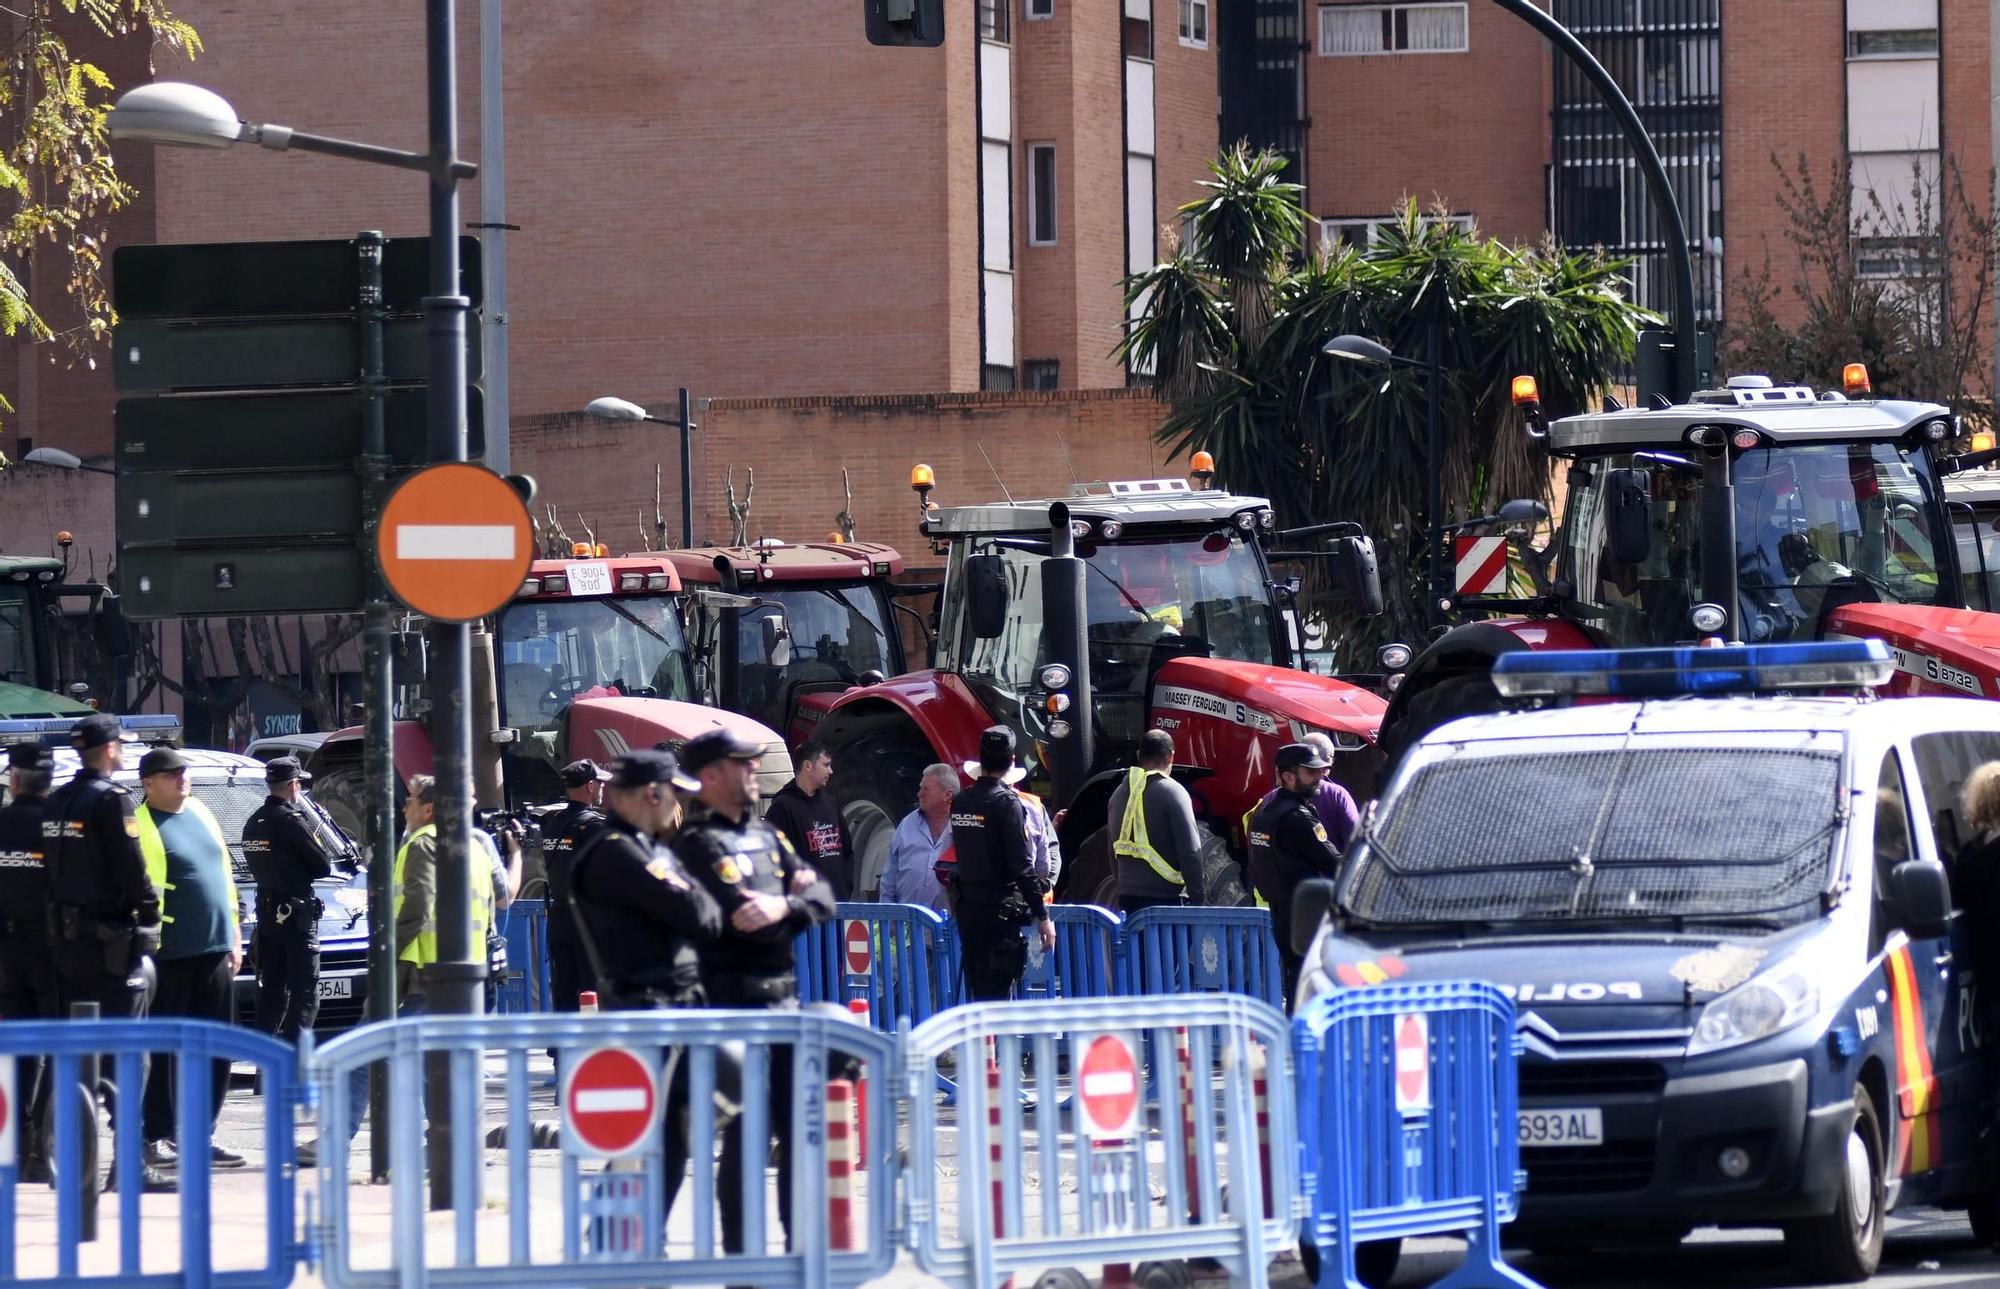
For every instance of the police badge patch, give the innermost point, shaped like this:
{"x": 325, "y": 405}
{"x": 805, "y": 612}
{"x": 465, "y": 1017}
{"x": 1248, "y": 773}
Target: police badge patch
{"x": 726, "y": 869}
{"x": 132, "y": 828}
{"x": 664, "y": 870}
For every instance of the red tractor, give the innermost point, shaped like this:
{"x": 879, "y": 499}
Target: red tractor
{"x": 1831, "y": 509}
{"x": 590, "y": 661}
{"x": 1083, "y": 620}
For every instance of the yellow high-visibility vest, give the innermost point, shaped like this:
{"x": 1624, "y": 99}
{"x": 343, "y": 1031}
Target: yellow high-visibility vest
{"x": 153, "y": 848}
{"x": 422, "y": 951}
{"x": 1133, "y": 841}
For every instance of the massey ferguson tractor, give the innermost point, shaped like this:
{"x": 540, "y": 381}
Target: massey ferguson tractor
{"x": 1830, "y": 511}
{"x": 1081, "y": 621}
{"x": 590, "y": 660}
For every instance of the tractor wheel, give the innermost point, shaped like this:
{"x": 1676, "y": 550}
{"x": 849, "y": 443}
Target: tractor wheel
{"x": 343, "y": 790}
{"x": 875, "y": 781}
{"x": 1092, "y": 876}
{"x": 1470, "y": 694}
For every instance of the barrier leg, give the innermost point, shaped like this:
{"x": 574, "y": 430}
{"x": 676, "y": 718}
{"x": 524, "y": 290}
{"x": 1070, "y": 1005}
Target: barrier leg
{"x": 839, "y": 1165}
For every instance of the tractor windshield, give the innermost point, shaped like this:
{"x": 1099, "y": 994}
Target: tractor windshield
{"x": 836, "y": 632}
{"x": 555, "y": 651}
{"x": 17, "y": 637}
{"x": 1817, "y": 527}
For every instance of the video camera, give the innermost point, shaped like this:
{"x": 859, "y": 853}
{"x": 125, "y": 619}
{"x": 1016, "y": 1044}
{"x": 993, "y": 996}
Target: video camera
{"x": 521, "y": 825}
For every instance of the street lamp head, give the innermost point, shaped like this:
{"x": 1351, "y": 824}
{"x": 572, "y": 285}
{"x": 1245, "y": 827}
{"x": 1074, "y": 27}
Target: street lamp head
{"x": 54, "y": 457}
{"x": 1358, "y": 349}
{"x": 177, "y": 114}
{"x": 615, "y": 409}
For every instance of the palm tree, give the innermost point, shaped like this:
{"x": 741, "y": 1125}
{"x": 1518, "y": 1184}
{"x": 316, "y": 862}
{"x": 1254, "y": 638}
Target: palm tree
{"x": 1231, "y": 326}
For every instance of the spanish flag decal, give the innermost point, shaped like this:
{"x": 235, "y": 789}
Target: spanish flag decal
{"x": 1916, "y": 1085}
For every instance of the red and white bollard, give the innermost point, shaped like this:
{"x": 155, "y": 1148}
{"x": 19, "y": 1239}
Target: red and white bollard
{"x": 586, "y": 1003}
{"x": 1260, "y": 1098}
{"x": 859, "y": 1008}
{"x": 839, "y": 1164}
{"x": 1183, "y": 1058}
{"x": 993, "y": 1153}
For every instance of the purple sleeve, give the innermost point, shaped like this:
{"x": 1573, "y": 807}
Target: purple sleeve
{"x": 1337, "y": 812}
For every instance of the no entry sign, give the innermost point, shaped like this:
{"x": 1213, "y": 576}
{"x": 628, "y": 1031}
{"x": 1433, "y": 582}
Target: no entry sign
{"x": 611, "y": 1103}
{"x": 1413, "y": 1062}
{"x": 455, "y": 542}
{"x": 1109, "y": 1081}
{"x": 860, "y": 947}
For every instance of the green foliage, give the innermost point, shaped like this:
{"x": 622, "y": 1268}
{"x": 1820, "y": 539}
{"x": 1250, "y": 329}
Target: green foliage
{"x": 55, "y": 159}
{"x": 1231, "y": 329}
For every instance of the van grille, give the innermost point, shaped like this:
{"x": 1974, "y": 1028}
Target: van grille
{"x": 1585, "y": 1170}
{"x": 1582, "y": 1078}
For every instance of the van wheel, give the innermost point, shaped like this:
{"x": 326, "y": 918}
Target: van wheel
{"x": 1846, "y": 1244}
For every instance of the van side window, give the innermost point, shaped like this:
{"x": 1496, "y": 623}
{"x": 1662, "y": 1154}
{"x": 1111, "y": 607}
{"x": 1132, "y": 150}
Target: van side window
{"x": 1892, "y": 844}
{"x": 1944, "y": 762}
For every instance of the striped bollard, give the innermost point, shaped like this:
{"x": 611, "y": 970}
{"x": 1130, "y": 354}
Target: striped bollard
{"x": 839, "y": 1164}
{"x": 993, "y": 1152}
{"x": 1260, "y": 1095}
{"x": 1185, "y": 1060}
{"x": 859, "y": 1008}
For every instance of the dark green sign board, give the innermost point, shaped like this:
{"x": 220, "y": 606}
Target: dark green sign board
{"x": 275, "y": 279}
{"x": 165, "y": 357}
{"x": 279, "y": 430}
{"x": 188, "y": 509}
{"x": 228, "y": 581}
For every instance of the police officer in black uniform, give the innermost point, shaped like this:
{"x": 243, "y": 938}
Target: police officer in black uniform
{"x": 1289, "y": 845}
{"x": 288, "y": 848}
{"x": 995, "y": 885}
{"x": 769, "y": 895}
{"x": 27, "y": 980}
{"x": 563, "y": 835}
{"x": 104, "y": 914}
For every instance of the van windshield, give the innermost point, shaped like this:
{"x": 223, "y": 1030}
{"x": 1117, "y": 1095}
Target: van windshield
{"x": 1615, "y": 834}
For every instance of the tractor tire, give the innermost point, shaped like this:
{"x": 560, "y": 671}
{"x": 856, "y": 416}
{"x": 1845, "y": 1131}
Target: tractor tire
{"x": 1092, "y": 876}
{"x": 1470, "y": 694}
{"x": 343, "y": 790}
{"x": 875, "y": 782}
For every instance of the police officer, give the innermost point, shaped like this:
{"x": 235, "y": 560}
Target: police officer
{"x": 998, "y": 891}
{"x": 27, "y": 981}
{"x": 288, "y": 849}
{"x": 104, "y": 911}
{"x": 640, "y": 919}
{"x": 1289, "y": 845}
{"x": 769, "y": 895}
{"x": 564, "y": 834}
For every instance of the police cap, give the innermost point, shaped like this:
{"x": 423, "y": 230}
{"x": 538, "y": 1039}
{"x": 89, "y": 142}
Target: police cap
{"x": 285, "y": 769}
{"x": 1294, "y": 756}
{"x": 644, "y": 768}
{"x": 161, "y": 760}
{"x": 578, "y": 773}
{"x": 99, "y": 730}
{"x": 718, "y": 745}
{"x": 29, "y": 756}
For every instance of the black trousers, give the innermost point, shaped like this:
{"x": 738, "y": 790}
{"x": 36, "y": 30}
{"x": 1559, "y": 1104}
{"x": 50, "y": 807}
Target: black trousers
{"x": 994, "y": 953}
{"x": 569, "y": 966}
{"x": 287, "y": 976}
{"x": 729, "y": 1176}
{"x": 28, "y": 992}
{"x": 199, "y": 988}
{"x": 126, "y": 997}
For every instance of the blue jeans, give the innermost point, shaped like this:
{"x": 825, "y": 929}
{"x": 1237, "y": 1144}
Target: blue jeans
{"x": 357, "y": 1078}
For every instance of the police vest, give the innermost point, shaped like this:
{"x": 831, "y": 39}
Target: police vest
{"x": 154, "y": 848}
{"x": 422, "y": 951}
{"x": 1133, "y": 841}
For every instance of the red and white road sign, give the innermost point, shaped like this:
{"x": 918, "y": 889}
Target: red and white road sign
{"x": 455, "y": 542}
{"x": 1413, "y": 1062}
{"x": 9, "y": 1145}
{"x": 1109, "y": 1081}
{"x": 1481, "y": 565}
{"x": 860, "y": 946}
{"x": 611, "y": 1103}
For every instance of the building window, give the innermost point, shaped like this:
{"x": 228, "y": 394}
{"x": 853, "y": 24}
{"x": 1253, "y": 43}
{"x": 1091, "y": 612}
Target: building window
{"x": 1921, "y": 43}
{"x": 1194, "y": 23}
{"x": 1041, "y": 373}
{"x": 1041, "y": 8}
{"x": 1351, "y": 30}
{"x": 1041, "y": 194}
{"x": 1363, "y": 232}
{"x": 996, "y": 378}
{"x": 1138, "y": 38}
{"x": 993, "y": 20}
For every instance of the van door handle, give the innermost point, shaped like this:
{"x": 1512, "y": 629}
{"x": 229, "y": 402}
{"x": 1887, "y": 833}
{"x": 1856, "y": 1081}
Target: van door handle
{"x": 1944, "y": 962}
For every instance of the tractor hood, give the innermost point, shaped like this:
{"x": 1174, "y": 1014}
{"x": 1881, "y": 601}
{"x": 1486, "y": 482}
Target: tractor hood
{"x": 1937, "y": 651}
{"x": 1272, "y": 700}
{"x": 603, "y": 728}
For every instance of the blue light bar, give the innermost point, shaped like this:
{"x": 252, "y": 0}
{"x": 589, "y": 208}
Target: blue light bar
{"x": 1688, "y": 669}
{"x": 54, "y": 730}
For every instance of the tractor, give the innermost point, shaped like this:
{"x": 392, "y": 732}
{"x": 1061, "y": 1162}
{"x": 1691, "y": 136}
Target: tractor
{"x": 1080, "y": 622}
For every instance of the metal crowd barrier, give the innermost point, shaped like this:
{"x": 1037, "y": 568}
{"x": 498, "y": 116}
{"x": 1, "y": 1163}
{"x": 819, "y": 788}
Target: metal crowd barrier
{"x": 618, "y": 1072}
{"x": 526, "y": 988}
{"x": 74, "y": 1048}
{"x": 1406, "y": 1105}
{"x": 1203, "y": 950}
{"x": 1087, "y": 958}
{"x": 1055, "y": 1169}
{"x": 908, "y": 957}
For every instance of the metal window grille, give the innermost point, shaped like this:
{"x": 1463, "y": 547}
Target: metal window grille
{"x": 996, "y": 378}
{"x": 1041, "y": 373}
{"x": 1259, "y": 46}
{"x": 994, "y": 21}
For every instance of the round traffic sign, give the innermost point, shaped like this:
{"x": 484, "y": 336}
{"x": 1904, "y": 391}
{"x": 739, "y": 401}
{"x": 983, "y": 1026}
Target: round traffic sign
{"x": 9, "y": 1138}
{"x": 1109, "y": 1080}
{"x": 860, "y": 947}
{"x": 1413, "y": 1062}
{"x": 611, "y": 1103}
{"x": 455, "y": 542}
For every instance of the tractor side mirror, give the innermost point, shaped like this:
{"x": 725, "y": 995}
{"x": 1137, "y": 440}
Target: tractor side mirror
{"x": 985, "y": 596}
{"x": 1922, "y": 895}
{"x": 1354, "y": 564}
{"x": 1521, "y": 510}
{"x": 1311, "y": 903}
{"x": 1630, "y": 495}
{"x": 917, "y": 23}
{"x": 777, "y": 639}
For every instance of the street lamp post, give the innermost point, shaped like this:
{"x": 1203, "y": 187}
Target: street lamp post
{"x": 618, "y": 409}
{"x": 1363, "y": 350}
{"x": 58, "y": 459}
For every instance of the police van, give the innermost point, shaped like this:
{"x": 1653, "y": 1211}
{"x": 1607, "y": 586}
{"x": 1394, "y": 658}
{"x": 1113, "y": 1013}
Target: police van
{"x": 1725, "y": 913}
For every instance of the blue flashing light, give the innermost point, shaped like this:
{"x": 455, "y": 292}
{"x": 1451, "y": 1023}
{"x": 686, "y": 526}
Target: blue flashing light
{"x": 54, "y": 730}
{"x": 1689, "y": 669}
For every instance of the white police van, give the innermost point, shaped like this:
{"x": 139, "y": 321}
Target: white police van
{"x": 1727, "y": 923}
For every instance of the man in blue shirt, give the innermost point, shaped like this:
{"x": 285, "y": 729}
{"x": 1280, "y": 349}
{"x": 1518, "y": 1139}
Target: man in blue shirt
{"x": 922, "y": 843}
{"x": 201, "y": 945}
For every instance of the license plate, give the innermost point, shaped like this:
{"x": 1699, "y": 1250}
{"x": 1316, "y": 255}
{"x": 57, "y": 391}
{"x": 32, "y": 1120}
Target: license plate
{"x": 1577, "y": 1126}
{"x": 343, "y": 987}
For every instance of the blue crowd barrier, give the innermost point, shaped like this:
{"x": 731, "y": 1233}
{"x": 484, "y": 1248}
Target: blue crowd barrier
{"x": 912, "y": 962}
{"x": 123, "y": 1047}
{"x": 524, "y": 924}
{"x": 1203, "y": 950}
{"x": 1386, "y": 1154}
{"x": 1087, "y": 957}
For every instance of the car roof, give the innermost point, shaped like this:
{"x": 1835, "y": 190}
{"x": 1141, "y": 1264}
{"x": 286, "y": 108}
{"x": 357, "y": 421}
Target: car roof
{"x": 1788, "y": 421}
{"x": 1755, "y": 714}
{"x": 789, "y": 562}
{"x": 1160, "y": 502}
{"x": 278, "y": 744}
{"x": 204, "y": 766}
